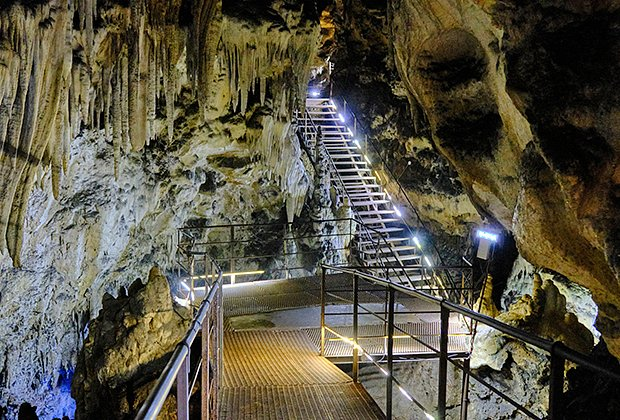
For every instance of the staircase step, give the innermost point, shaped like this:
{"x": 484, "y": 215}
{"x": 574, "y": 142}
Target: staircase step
{"x": 375, "y": 212}
{"x": 354, "y": 162}
{"x": 402, "y": 258}
{"x": 385, "y": 249}
{"x": 331, "y": 148}
{"x": 391, "y": 239}
{"x": 377, "y": 221}
{"x": 369, "y": 202}
{"x": 366, "y": 194}
{"x": 349, "y": 170}
{"x": 374, "y": 231}
{"x": 357, "y": 178}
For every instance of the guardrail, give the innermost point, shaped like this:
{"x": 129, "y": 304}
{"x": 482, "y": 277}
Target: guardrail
{"x": 308, "y": 132}
{"x": 226, "y": 244}
{"x": 208, "y": 321}
{"x": 558, "y": 352}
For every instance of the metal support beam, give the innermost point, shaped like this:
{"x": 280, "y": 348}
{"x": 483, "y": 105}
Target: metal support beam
{"x": 206, "y": 360}
{"x": 355, "y": 329}
{"x": 183, "y": 390}
{"x": 443, "y": 363}
{"x": 556, "y": 385}
{"x": 322, "y": 311}
{"x": 465, "y": 390}
{"x": 390, "y": 354}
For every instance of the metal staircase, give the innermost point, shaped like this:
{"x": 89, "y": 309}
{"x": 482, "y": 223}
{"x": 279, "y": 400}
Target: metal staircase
{"x": 384, "y": 240}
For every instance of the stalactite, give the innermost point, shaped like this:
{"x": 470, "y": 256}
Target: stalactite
{"x": 71, "y": 65}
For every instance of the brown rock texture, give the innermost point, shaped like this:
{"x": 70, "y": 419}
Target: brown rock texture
{"x": 521, "y": 99}
{"x": 128, "y": 345}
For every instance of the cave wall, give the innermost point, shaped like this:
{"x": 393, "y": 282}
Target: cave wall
{"x": 519, "y": 98}
{"x": 94, "y": 183}
{"x": 365, "y": 74}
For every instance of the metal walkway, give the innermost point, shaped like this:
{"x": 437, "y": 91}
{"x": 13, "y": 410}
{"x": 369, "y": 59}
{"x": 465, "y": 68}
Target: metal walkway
{"x": 278, "y": 375}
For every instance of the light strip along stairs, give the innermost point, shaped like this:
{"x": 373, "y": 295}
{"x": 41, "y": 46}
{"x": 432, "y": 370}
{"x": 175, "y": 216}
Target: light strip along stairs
{"x": 386, "y": 240}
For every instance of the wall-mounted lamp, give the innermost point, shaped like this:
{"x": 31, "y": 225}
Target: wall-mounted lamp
{"x": 487, "y": 239}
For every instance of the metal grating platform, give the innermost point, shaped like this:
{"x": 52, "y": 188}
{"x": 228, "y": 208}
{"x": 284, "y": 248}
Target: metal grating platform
{"x": 278, "y": 375}
{"x": 427, "y": 332}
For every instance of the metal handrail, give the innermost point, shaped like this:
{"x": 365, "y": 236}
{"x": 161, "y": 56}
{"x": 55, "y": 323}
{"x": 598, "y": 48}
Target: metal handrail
{"x": 358, "y": 126}
{"x": 185, "y": 235}
{"x": 180, "y": 356}
{"x": 343, "y": 191}
{"x": 333, "y": 169}
{"x": 559, "y": 352}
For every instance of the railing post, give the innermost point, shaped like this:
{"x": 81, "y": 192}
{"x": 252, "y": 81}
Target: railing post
{"x": 465, "y": 390}
{"x": 192, "y": 291}
{"x": 443, "y": 363}
{"x": 355, "y": 331}
{"x": 220, "y": 334}
{"x": 322, "y": 311}
{"x": 183, "y": 389}
{"x": 390, "y": 354}
{"x": 232, "y": 254}
{"x": 556, "y": 385}
{"x": 206, "y": 386}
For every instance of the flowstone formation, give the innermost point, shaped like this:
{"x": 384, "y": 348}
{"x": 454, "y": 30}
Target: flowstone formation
{"x": 167, "y": 118}
{"x": 515, "y": 368}
{"x": 520, "y": 98}
{"x": 128, "y": 345}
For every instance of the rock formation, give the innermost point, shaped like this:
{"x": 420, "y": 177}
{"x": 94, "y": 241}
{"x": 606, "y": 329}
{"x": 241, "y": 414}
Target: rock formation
{"x": 519, "y": 98}
{"x": 128, "y": 345}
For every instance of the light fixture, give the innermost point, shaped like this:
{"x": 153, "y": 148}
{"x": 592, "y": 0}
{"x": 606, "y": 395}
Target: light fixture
{"x": 315, "y": 93}
{"x": 416, "y": 241}
{"x": 398, "y": 213}
{"x": 341, "y": 117}
{"x": 487, "y": 235}
{"x": 428, "y": 261}
{"x": 487, "y": 239}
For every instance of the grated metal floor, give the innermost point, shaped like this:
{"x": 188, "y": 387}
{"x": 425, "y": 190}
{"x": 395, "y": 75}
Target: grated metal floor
{"x": 278, "y": 375}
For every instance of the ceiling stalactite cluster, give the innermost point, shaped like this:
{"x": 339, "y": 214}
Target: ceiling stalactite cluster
{"x": 101, "y": 65}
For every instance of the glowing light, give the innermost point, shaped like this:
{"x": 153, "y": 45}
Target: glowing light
{"x": 398, "y": 213}
{"x": 315, "y": 93}
{"x": 487, "y": 235}
{"x": 341, "y": 117}
{"x": 357, "y": 144}
{"x": 416, "y": 241}
{"x": 428, "y": 262}
{"x": 367, "y": 160}
{"x": 402, "y": 391}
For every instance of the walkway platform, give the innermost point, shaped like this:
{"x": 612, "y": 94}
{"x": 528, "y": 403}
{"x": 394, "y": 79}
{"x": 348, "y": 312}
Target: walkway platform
{"x": 278, "y": 375}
